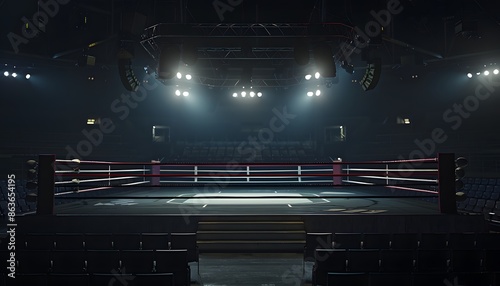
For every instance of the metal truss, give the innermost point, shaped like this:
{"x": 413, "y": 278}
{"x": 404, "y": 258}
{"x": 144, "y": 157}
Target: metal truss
{"x": 268, "y": 45}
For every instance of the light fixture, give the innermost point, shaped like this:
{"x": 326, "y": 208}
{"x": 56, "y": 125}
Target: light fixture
{"x": 486, "y": 73}
{"x": 243, "y": 93}
{"x": 178, "y": 92}
{"x": 189, "y": 77}
{"x": 6, "y": 73}
{"x": 14, "y": 75}
{"x": 235, "y": 94}
{"x": 186, "y": 93}
{"x": 28, "y": 76}
{"x": 478, "y": 73}
{"x": 317, "y": 75}
{"x": 469, "y": 75}
{"x": 179, "y": 75}
{"x": 252, "y": 94}
{"x": 495, "y": 71}
{"x": 259, "y": 94}
{"x": 310, "y": 93}
{"x": 308, "y": 76}
{"x": 318, "y": 92}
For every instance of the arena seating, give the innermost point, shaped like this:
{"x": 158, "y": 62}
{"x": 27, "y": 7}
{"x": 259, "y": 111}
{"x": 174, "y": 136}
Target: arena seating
{"x": 94, "y": 259}
{"x": 428, "y": 259}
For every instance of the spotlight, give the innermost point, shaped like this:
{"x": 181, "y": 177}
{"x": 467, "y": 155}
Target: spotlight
{"x": 14, "y": 74}
{"x": 259, "y": 94}
{"x": 469, "y": 75}
{"x": 6, "y": 73}
{"x": 188, "y": 77}
{"x": 478, "y": 73}
{"x": 28, "y": 76}
{"x": 495, "y": 71}
{"x": 235, "y": 94}
{"x": 179, "y": 75}
{"x": 317, "y": 75}
{"x": 318, "y": 92}
{"x": 252, "y": 94}
{"x": 310, "y": 93}
{"x": 486, "y": 73}
{"x": 178, "y": 92}
{"x": 186, "y": 93}
{"x": 308, "y": 76}
{"x": 243, "y": 93}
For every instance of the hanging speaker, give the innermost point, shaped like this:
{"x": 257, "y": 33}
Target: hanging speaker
{"x": 372, "y": 75}
{"x": 169, "y": 62}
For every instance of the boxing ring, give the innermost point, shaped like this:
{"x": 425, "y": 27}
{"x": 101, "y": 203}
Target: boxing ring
{"x": 376, "y": 196}
{"x": 353, "y": 187}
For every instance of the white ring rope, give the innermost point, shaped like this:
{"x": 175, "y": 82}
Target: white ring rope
{"x": 102, "y": 171}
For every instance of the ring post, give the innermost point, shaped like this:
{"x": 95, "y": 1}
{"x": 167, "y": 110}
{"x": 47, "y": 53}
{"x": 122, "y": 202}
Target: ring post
{"x": 46, "y": 185}
{"x": 337, "y": 171}
{"x": 446, "y": 183}
{"x": 155, "y": 171}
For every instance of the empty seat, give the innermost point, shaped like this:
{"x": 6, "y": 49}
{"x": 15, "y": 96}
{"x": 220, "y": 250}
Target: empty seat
{"x": 126, "y": 241}
{"x": 432, "y": 260}
{"x": 470, "y": 278}
{"x": 466, "y": 260}
{"x": 137, "y": 261}
{"x": 376, "y": 241}
{"x": 115, "y": 278}
{"x": 103, "y": 261}
{"x": 68, "y": 261}
{"x": 347, "y": 279}
{"x": 347, "y": 240}
{"x": 69, "y": 279}
{"x": 433, "y": 240}
{"x": 488, "y": 240}
{"x": 69, "y": 241}
{"x": 163, "y": 279}
{"x": 185, "y": 241}
{"x": 33, "y": 261}
{"x": 492, "y": 260}
{"x": 462, "y": 240}
{"x": 363, "y": 260}
{"x": 98, "y": 241}
{"x": 432, "y": 279}
{"x": 38, "y": 279}
{"x": 328, "y": 260}
{"x": 153, "y": 241}
{"x": 404, "y": 241}
{"x": 396, "y": 260}
{"x": 40, "y": 241}
{"x": 385, "y": 279}
{"x": 316, "y": 241}
{"x": 173, "y": 261}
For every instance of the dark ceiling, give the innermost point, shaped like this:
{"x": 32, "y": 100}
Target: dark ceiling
{"x": 427, "y": 27}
